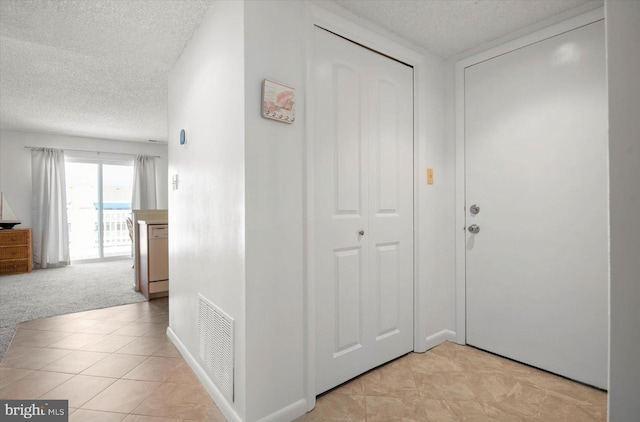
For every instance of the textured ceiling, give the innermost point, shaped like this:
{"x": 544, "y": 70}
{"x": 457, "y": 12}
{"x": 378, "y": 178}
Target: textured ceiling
{"x": 91, "y": 67}
{"x": 98, "y": 68}
{"x": 449, "y": 27}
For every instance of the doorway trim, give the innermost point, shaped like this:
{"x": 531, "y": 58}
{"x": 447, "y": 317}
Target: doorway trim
{"x": 460, "y": 214}
{"x": 335, "y": 20}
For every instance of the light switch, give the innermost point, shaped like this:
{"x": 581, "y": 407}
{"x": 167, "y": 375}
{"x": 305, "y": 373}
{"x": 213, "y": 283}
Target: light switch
{"x": 175, "y": 182}
{"x": 429, "y": 176}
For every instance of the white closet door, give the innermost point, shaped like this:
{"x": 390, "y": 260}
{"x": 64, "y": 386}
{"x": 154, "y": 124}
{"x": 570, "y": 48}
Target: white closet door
{"x": 363, "y": 192}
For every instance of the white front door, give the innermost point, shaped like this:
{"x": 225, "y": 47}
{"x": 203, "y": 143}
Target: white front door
{"x": 363, "y": 212}
{"x": 536, "y": 166}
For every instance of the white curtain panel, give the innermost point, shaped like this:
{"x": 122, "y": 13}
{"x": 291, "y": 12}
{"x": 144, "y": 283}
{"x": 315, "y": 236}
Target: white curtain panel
{"x": 49, "y": 209}
{"x": 144, "y": 183}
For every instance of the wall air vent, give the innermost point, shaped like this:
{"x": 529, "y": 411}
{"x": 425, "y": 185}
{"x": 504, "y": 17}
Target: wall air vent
{"x": 215, "y": 331}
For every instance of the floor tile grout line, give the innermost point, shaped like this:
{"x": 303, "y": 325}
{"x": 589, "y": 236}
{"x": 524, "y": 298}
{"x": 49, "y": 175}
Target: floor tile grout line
{"x": 128, "y": 413}
{"x": 90, "y": 397}
{"x": 413, "y": 375}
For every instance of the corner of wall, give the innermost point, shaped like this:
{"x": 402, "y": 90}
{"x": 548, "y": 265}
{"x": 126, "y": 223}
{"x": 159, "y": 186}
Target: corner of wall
{"x": 227, "y": 410}
{"x": 439, "y": 338}
{"x": 623, "y": 67}
{"x": 207, "y": 210}
{"x": 274, "y": 186}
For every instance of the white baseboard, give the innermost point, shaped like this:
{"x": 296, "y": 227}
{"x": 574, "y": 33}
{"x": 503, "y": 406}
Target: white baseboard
{"x": 289, "y": 413}
{"x": 217, "y": 396}
{"x": 440, "y": 337}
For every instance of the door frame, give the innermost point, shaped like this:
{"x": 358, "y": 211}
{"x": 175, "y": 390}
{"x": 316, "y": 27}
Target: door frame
{"x": 460, "y": 154}
{"x": 332, "y": 19}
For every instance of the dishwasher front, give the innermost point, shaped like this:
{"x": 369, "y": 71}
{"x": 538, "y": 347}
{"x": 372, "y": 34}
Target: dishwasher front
{"x": 158, "y": 252}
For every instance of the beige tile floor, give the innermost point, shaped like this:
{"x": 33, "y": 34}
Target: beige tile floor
{"x": 116, "y": 364}
{"x": 459, "y": 383}
{"x": 113, "y": 364}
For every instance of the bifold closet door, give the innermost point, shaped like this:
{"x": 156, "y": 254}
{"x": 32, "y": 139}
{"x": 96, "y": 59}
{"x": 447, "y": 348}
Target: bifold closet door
{"x": 363, "y": 208}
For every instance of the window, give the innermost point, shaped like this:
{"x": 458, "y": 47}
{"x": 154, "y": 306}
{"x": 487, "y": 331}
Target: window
{"x": 98, "y": 204}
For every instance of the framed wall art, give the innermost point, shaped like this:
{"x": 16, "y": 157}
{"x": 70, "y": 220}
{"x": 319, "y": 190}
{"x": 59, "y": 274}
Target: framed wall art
{"x": 278, "y": 101}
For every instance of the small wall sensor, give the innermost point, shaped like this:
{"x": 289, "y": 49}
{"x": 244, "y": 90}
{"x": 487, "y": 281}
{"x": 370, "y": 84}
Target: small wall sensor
{"x": 183, "y": 137}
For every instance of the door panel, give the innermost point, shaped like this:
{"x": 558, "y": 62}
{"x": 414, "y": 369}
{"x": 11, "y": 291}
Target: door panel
{"x": 363, "y": 183}
{"x": 536, "y": 164}
{"x": 388, "y": 291}
{"x": 346, "y": 97}
{"x": 339, "y": 152}
{"x": 348, "y": 310}
{"x": 386, "y": 119}
{"x": 391, "y": 206}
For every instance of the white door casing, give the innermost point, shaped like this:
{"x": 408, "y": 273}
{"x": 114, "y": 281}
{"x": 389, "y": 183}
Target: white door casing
{"x": 363, "y": 172}
{"x": 536, "y": 164}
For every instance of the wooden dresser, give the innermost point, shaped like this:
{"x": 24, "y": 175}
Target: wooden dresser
{"x": 15, "y": 251}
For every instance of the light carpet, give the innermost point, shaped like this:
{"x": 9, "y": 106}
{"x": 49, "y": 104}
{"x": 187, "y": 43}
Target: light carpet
{"x": 57, "y": 291}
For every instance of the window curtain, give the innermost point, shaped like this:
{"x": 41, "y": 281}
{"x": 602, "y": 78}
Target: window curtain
{"x": 49, "y": 209}
{"x": 144, "y": 183}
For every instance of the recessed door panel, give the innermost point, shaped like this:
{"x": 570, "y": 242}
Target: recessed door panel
{"x": 388, "y": 290}
{"x": 348, "y": 306}
{"x": 346, "y": 106}
{"x": 387, "y": 134}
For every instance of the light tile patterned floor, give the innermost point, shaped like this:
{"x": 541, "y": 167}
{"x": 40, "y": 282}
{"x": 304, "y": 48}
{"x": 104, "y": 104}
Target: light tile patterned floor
{"x": 113, "y": 364}
{"x": 116, "y": 364}
{"x": 459, "y": 383}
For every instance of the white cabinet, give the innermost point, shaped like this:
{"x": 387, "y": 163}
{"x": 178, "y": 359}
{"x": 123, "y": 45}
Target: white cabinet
{"x": 154, "y": 258}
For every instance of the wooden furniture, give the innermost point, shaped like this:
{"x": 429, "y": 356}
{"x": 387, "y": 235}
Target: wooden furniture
{"x": 15, "y": 251}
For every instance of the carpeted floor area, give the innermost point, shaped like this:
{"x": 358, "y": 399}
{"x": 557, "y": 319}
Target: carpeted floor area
{"x": 57, "y": 291}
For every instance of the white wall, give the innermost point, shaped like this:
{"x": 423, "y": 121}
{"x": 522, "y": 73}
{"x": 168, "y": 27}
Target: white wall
{"x": 274, "y": 171}
{"x": 15, "y": 163}
{"x": 437, "y": 203}
{"x": 623, "y": 53}
{"x": 207, "y": 211}
{"x": 242, "y": 178}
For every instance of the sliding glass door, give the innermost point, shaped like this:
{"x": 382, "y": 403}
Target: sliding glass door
{"x": 98, "y": 204}
{"x": 116, "y": 208}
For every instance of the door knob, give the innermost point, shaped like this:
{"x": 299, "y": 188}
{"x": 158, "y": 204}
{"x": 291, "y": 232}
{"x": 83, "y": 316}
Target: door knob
{"x": 361, "y": 232}
{"x": 474, "y": 209}
{"x": 474, "y": 228}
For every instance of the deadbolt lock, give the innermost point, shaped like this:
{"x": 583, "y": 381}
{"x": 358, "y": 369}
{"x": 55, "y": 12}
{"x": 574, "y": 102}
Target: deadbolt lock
{"x": 474, "y": 209}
